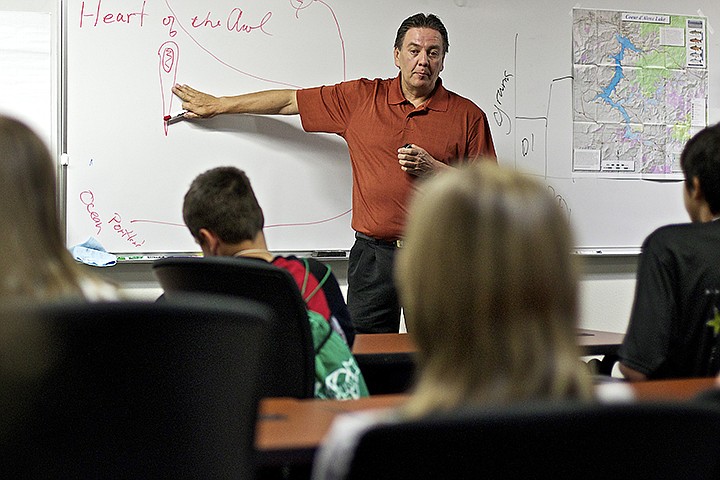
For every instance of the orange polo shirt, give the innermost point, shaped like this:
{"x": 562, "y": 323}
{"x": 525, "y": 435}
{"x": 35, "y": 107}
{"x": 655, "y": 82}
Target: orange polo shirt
{"x": 375, "y": 120}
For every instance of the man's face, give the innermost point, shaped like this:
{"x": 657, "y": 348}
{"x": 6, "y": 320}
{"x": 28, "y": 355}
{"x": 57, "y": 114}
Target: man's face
{"x": 420, "y": 60}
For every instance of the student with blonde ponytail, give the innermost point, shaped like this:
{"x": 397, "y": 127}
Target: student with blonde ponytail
{"x": 489, "y": 286}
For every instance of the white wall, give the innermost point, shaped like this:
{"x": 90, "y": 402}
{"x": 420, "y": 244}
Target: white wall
{"x": 606, "y": 287}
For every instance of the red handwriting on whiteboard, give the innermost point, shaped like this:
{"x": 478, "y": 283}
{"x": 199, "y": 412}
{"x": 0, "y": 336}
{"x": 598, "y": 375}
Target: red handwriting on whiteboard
{"x": 234, "y": 22}
{"x": 169, "y": 21}
{"x": 88, "y": 199}
{"x": 129, "y": 235}
{"x": 168, "y": 58}
{"x": 95, "y": 16}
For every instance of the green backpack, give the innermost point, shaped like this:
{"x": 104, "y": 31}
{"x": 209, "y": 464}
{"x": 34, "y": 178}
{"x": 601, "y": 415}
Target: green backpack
{"x": 337, "y": 374}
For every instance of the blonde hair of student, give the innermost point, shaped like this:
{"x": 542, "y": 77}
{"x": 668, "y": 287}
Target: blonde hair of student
{"x": 34, "y": 262}
{"x": 489, "y": 288}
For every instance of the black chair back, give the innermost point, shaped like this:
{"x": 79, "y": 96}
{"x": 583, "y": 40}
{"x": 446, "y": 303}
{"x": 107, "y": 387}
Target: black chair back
{"x": 131, "y": 389}
{"x": 291, "y": 368}
{"x": 632, "y": 441}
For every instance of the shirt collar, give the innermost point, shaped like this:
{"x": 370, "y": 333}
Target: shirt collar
{"x": 438, "y": 101}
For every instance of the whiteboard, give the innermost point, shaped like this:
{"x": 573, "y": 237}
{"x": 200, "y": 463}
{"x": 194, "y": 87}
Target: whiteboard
{"x": 127, "y": 174}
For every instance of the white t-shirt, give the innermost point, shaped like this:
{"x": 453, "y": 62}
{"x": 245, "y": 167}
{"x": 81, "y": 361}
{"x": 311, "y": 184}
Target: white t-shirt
{"x": 333, "y": 458}
{"x": 98, "y": 290}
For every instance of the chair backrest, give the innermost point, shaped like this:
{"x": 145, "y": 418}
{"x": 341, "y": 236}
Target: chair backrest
{"x": 131, "y": 389}
{"x": 291, "y": 367}
{"x": 639, "y": 441}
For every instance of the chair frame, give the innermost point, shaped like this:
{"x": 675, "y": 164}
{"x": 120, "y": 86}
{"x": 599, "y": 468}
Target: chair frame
{"x": 292, "y": 363}
{"x": 134, "y": 389}
{"x": 539, "y": 440}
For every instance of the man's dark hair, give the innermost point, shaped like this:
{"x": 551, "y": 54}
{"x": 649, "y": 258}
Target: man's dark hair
{"x": 223, "y": 201}
{"x": 420, "y": 20}
{"x": 701, "y": 158}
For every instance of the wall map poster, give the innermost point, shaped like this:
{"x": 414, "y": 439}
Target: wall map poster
{"x": 640, "y": 91}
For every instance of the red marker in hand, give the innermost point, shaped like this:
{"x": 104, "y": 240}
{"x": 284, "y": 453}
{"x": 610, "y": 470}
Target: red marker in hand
{"x": 174, "y": 118}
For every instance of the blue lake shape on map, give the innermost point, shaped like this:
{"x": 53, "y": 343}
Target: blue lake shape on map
{"x": 619, "y": 75}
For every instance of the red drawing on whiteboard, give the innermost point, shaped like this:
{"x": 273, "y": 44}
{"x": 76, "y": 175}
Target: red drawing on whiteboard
{"x": 87, "y": 198}
{"x": 302, "y": 4}
{"x": 232, "y": 22}
{"x": 167, "y": 58}
{"x": 205, "y": 23}
{"x": 305, "y": 224}
{"x": 130, "y": 236}
{"x": 275, "y": 225}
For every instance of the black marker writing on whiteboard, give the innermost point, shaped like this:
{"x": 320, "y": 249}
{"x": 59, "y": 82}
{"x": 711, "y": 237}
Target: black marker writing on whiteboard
{"x": 499, "y": 114}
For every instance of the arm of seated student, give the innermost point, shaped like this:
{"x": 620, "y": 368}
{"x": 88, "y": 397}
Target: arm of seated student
{"x": 269, "y": 102}
{"x": 631, "y": 374}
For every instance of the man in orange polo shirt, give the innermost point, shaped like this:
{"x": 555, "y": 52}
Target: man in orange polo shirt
{"x": 397, "y": 130}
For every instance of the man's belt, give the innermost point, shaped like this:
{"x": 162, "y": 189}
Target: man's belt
{"x": 378, "y": 241}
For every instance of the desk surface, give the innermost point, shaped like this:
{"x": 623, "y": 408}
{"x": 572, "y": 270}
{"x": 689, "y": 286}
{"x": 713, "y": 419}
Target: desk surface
{"x": 684, "y": 389}
{"x": 594, "y": 342}
{"x": 289, "y": 430}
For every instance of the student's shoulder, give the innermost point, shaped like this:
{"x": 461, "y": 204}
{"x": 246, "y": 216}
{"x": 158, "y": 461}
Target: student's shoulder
{"x": 334, "y": 457}
{"x": 668, "y": 232}
{"x": 684, "y": 229}
{"x": 679, "y": 236}
{"x": 99, "y": 290}
{"x": 318, "y": 268}
{"x": 315, "y": 266}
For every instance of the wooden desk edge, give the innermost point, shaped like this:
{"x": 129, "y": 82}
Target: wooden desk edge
{"x": 671, "y": 390}
{"x": 401, "y": 343}
{"x": 299, "y": 447}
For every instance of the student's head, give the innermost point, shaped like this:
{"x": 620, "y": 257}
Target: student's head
{"x": 700, "y": 162}
{"x": 34, "y": 261}
{"x": 222, "y": 201}
{"x": 489, "y": 288}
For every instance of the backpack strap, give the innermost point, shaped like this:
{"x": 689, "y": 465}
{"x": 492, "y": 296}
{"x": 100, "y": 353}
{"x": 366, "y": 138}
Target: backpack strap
{"x": 320, "y": 320}
{"x": 320, "y": 283}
